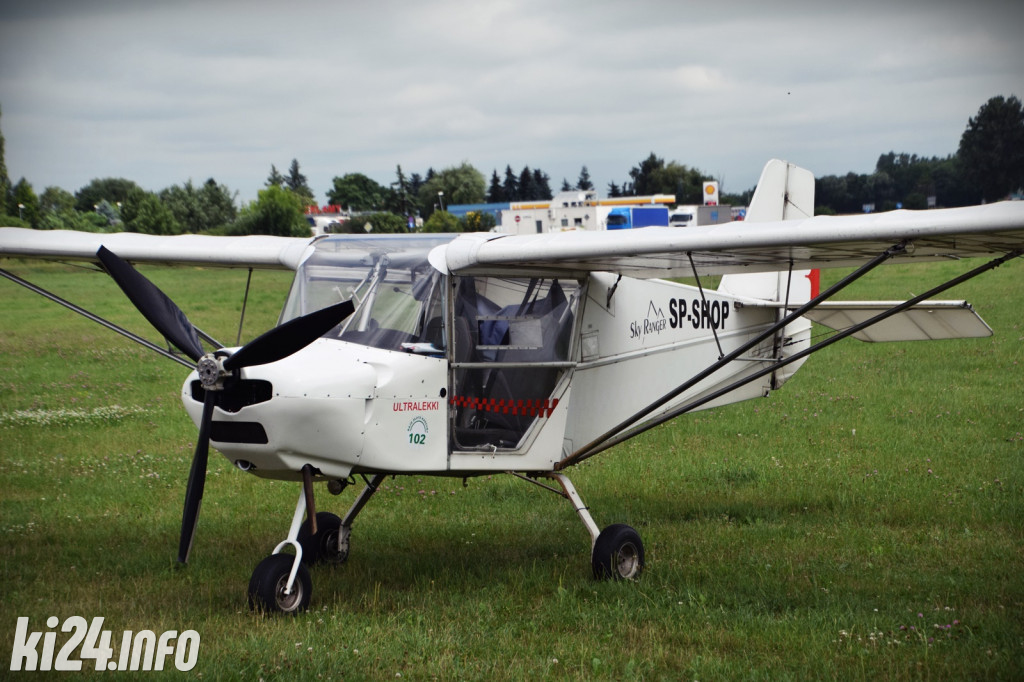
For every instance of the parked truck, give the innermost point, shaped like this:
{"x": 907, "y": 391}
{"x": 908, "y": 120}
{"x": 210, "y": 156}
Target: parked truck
{"x": 629, "y": 217}
{"x": 691, "y": 216}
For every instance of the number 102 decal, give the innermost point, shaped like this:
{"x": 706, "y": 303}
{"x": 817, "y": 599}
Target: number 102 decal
{"x": 417, "y": 431}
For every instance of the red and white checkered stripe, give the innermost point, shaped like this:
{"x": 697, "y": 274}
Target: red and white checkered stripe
{"x": 532, "y": 408}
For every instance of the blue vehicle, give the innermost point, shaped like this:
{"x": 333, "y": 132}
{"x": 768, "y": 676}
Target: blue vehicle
{"x": 629, "y": 217}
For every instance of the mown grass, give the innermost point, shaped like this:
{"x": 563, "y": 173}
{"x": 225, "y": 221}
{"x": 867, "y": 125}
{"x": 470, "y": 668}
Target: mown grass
{"x": 866, "y": 522}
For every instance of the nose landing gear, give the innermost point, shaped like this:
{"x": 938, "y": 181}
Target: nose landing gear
{"x": 281, "y": 582}
{"x": 273, "y": 589}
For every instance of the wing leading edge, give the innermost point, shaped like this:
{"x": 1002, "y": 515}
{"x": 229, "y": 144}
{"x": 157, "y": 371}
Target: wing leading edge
{"x": 257, "y": 251}
{"x": 818, "y": 242}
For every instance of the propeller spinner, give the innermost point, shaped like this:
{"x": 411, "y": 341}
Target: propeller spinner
{"x": 213, "y": 368}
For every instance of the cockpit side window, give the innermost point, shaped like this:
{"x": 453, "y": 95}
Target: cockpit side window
{"x": 399, "y": 311}
{"x": 399, "y": 296}
{"x": 512, "y": 343}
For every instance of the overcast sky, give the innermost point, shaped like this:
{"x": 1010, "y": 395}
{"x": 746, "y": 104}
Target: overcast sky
{"x": 164, "y": 92}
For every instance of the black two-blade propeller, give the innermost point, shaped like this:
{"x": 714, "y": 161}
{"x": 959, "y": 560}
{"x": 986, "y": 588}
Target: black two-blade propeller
{"x": 273, "y": 345}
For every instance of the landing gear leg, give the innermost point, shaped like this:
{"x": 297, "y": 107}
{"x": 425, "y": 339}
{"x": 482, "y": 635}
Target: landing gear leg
{"x": 318, "y": 535}
{"x": 616, "y": 552}
{"x": 344, "y": 531}
{"x": 280, "y": 583}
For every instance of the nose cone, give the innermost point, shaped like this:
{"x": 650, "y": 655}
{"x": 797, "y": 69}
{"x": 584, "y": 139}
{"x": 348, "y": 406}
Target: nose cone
{"x": 309, "y": 408}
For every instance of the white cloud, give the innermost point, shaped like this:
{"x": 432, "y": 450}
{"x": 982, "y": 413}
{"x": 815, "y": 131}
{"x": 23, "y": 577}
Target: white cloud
{"x": 164, "y": 93}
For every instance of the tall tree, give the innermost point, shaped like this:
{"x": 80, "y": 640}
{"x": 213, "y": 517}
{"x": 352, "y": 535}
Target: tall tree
{"x": 5, "y": 180}
{"x": 527, "y": 188}
{"x": 111, "y": 190}
{"x": 401, "y": 198}
{"x": 57, "y": 209}
{"x": 296, "y": 182}
{"x": 381, "y": 222}
{"x": 276, "y": 211}
{"x": 441, "y": 221}
{"x": 200, "y": 209}
{"x": 56, "y": 200}
{"x": 495, "y": 192}
{"x": 144, "y": 212}
{"x": 992, "y": 148}
{"x": 462, "y": 184}
{"x": 357, "y": 192}
{"x": 217, "y": 204}
{"x": 24, "y": 203}
{"x": 415, "y": 182}
{"x": 654, "y": 176}
{"x": 511, "y": 185}
{"x": 643, "y": 175}
{"x": 542, "y": 184}
{"x": 183, "y": 203}
{"x": 584, "y": 182}
{"x": 275, "y": 179}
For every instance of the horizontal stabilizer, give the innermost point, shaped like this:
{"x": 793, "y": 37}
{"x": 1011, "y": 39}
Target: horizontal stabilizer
{"x": 927, "y": 321}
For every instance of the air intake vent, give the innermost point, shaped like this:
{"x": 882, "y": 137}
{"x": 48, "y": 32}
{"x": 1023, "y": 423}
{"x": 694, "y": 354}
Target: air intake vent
{"x": 238, "y": 394}
{"x": 238, "y": 432}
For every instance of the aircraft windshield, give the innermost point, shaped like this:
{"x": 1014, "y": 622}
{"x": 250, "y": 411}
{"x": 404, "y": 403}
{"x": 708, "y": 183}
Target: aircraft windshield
{"x": 397, "y": 293}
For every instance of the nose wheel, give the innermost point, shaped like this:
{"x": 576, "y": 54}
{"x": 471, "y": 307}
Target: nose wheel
{"x": 281, "y": 582}
{"x": 269, "y": 586}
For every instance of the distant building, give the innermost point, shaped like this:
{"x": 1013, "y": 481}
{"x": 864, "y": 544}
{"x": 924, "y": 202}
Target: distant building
{"x": 573, "y": 210}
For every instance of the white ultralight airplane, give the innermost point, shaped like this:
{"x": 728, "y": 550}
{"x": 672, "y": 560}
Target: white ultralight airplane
{"x": 467, "y": 355}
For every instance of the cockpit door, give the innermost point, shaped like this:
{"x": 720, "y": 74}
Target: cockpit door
{"x": 511, "y": 348}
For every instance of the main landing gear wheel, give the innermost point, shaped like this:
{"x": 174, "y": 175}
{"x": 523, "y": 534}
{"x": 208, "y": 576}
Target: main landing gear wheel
{"x": 323, "y": 547}
{"x": 618, "y": 554}
{"x": 268, "y": 583}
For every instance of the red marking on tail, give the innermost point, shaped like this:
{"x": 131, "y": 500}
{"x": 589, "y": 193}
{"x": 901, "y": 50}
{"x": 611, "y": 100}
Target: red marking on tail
{"x": 815, "y": 277}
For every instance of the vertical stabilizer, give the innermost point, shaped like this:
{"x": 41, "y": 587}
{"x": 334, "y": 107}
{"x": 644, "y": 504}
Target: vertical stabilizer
{"x": 784, "y": 192}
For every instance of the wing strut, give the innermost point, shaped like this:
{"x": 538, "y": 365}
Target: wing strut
{"x": 628, "y": 428}
{"x": 602, "y": 442}
{"x": 245, "y": 302}
{"x": 97, "y": 319}
{"x": 780, "y": 336}
{"x": 704, "y": 302}
{"x": 93, "y": 317}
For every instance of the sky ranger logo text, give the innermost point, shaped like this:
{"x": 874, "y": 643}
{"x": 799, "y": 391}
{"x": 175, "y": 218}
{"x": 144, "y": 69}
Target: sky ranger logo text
{"x": 654, "y": 323}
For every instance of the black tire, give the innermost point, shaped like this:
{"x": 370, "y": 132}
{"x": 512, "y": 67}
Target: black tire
{"x": 618, "y": 554}
{"x": 266, "y": 587}
{"x": 324, "y": 545}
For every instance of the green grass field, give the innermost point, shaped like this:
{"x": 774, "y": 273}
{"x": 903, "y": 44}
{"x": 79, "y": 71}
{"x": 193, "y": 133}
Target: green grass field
{"x": 865, "y": 522}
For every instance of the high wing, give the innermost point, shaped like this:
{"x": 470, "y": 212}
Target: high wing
{"x": 253, "y": 252}
{"x": 747, "y": 247}
{"x": 257, "y": 251}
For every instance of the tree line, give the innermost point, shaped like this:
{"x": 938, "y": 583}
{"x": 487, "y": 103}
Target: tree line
{"x": 988, "y": 165}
